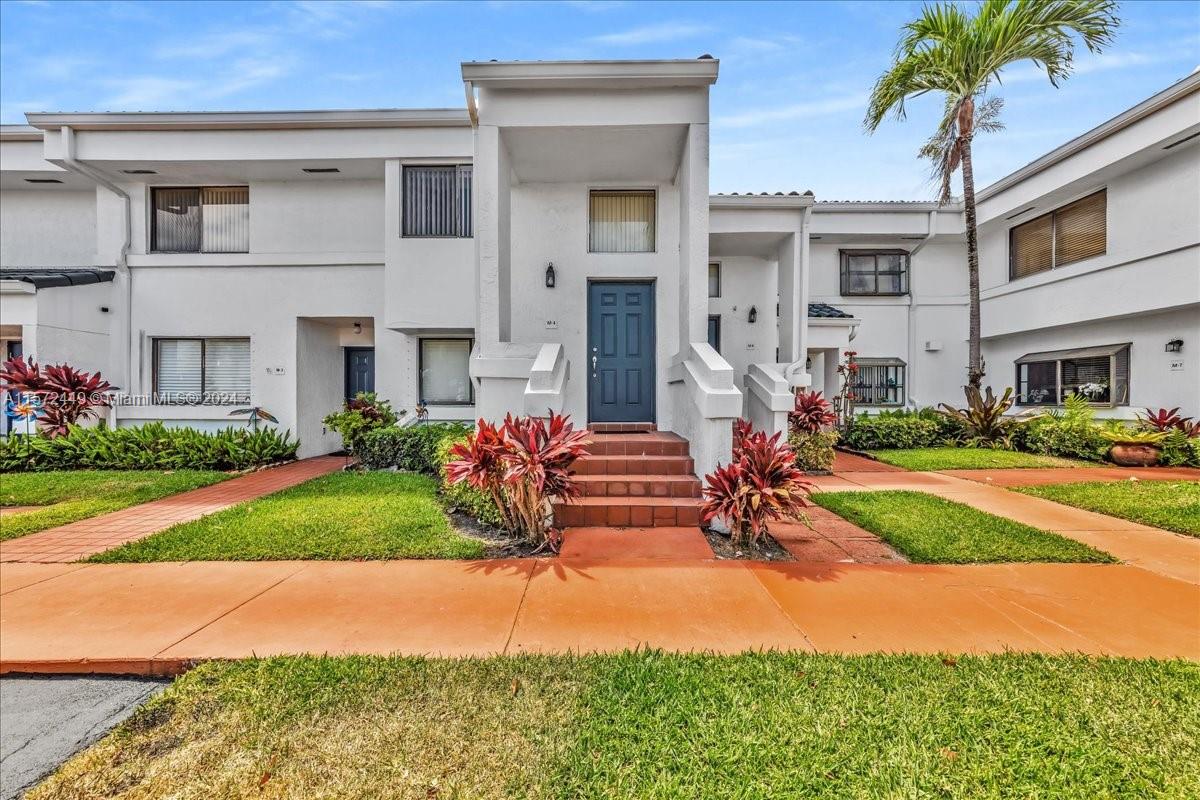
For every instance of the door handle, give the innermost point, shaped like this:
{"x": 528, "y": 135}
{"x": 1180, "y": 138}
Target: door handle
{"x": 593, "y": 366}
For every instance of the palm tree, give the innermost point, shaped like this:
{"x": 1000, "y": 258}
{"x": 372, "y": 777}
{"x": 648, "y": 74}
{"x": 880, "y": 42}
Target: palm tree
{"x": 948, "y": 51}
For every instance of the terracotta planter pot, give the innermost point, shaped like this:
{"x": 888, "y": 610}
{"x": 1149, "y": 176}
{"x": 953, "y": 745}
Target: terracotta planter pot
{"x": 1135, "y": 455}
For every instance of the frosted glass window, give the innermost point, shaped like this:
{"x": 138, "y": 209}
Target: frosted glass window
{"x": 445, "y": 376}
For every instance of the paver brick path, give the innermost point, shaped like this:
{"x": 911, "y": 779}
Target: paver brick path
{"x": 95, "y": 535}
{"x": 159, "y": 618}
{"x": 848, "y": 462}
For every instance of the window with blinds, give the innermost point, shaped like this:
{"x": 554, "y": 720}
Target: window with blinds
{"x": 437, "y": 201}
{"x": 621, "y": 221}
{"x": 445, "y": 372}
{"x": 202, "y": 371}
{"x": 1072, "y": 233}
{"x": 206, "y": 219}
{"x": 879, "y": 382}
{"x": 1100, "y": 374}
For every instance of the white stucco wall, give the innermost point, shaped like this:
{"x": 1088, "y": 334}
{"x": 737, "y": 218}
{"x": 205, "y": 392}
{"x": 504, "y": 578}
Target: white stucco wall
{"x": 746, "y": 282}
{"x": 550, "y": 224}
{"x": 332, "y": 216}
{"x": 46, "y": 228}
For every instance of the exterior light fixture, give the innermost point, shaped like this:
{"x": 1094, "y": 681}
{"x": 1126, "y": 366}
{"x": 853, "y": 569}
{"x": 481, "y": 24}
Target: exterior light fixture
{"x": 1175, "y": 346}
{"x": 550, "y": 275}
{"x": 753, "y": 317}
{"x": 357, "y": 327}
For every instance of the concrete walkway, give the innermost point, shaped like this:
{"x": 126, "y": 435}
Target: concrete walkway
{"x": 1170, "y": 554}
{"x": 1042, "y": 477}
{"x": 154, "y": 619}
{"x": 87, "y": 537}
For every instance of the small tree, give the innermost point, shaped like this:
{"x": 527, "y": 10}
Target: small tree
{"x": 959, "y": 56}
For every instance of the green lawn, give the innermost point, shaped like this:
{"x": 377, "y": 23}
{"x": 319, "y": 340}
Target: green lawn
{"x": 931, "y": 530}
{"x": 342, "y": 516}
{"x": 924, "y": 459}
{"x": 1172, "y": 505}
{"x": 649, "y": 725}
{"x": 74, "y": 495}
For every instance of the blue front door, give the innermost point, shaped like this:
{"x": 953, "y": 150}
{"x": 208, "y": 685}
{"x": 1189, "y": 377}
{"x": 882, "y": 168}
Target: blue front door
{"x": 360, "y": 370}
{"x": 620, "y": 355}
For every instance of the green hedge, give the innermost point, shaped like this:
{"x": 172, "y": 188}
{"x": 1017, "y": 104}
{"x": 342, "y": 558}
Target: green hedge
{"x": 1063, "y": 437}
{"x": 413, "y": 448}
{"x": 814, "y": 451}
{"x": 462, "y": 496}
{"x": 150, "y": 446}
{"x": 892, "y": 433}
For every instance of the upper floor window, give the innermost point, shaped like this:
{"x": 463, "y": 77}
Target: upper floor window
{"x": 879, "y": 382}
{"x": 1072, "y": 233}
{"x": 879, "y": 272}
{"x": 1101, "y": 374}
{"x": 437, "y": 201}
{"x": 203, "y": 219}
{"x": 714, "y": 280}
{"x": 199, "y": 370}
{"x": 621, "y": 221}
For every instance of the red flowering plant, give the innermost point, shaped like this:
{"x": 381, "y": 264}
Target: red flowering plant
{"x": 1167, "y": 420}
{"x": 761, "y": 484}
{"x": 524, "y": 465}
{"x": 66, "y": 396}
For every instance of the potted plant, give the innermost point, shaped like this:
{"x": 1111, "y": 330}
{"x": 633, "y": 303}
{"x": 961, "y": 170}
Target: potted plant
{"x": 1134, "y": 448}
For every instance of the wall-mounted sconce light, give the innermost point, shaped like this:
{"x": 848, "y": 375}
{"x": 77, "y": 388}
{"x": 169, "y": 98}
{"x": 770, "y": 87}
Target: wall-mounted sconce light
{"x": 808, "y": 363}
{"x": 1175, "y": 346}
{"x": 357, "y": 328}
{"x": 753, "y": 317}
{"x": 550, "y": 276}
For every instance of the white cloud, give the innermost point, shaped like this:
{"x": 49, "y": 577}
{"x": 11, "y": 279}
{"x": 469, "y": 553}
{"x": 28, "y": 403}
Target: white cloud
{"x": 652, "y": 34}
{"x": 215, "y": 45}
{"x": 813, "y": 108}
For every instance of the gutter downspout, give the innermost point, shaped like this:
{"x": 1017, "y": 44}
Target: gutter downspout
{"x": 122, "y": 263}
{"x": 931, "y": 230}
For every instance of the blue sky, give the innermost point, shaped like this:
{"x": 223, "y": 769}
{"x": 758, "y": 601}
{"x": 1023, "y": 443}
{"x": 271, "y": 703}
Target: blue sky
{"x": 786, "y": 111}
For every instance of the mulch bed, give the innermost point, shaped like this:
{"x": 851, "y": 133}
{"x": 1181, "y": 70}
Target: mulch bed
{"x": 499, "y": 544}
{"x": 767, "y": 548}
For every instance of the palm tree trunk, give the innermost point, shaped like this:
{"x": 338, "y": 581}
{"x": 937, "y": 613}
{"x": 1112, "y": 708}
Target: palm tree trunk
{"x": 974, "y": 357}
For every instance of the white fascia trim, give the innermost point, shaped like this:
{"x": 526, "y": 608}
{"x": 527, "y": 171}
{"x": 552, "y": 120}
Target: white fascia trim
{"x": 1149, "y": 106}
{"x": 218, "y": 260}
{"x": 866, "y": 206}
{"x": 253, "y": 120}
{"x": 17, "y": 287}
{"x": 20, "y": 133}
{"x": 558, "y": 74}
{"x": 760, "y": 201}
{"x": 834, "y": 322}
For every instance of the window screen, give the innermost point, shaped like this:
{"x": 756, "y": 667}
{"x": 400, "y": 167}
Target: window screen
{"x": 621, "y": 222}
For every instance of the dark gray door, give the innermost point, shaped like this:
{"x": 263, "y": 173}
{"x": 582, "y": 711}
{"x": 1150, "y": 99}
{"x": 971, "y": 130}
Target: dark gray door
{"x": 620, "y": 352}
{"x": 360, "y": 370}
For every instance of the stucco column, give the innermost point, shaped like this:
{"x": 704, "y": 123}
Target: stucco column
{"x": 693, "y": 237}
{"x": 802, "y": 279}
{"x": 486, "y": 187}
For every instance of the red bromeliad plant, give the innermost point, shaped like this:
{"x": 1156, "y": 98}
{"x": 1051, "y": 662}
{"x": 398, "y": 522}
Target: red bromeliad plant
{"x": 66, "y": 395}
{"x": 812, "y": 414}
{"x": 1168, "y": 420}
{"x": 523, "y": 465}
{"x": 762, "y": 484}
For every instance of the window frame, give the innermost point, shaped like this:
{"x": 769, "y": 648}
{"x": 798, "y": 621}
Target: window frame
{"x": 885, "y": 363}
{"x": 470, "y": 340}
{"x": 1053, "y": 215}
{"x": 1057, "y": 401}
{"x": 904, "y": 272}
{"x": 152, "y": 226}
{"x": 650, "y": 190}
{"x": 717, "y": 319}
{"x": 404, "y": 199}
{"x": 157, "y": 395}
{"x": 716, "y": 264}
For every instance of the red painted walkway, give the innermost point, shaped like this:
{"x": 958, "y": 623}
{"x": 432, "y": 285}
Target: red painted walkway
{"x": 87, "y": 537}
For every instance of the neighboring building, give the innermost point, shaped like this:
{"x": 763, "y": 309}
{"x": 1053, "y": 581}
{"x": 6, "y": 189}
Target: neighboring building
{"x": 554, "y": 245}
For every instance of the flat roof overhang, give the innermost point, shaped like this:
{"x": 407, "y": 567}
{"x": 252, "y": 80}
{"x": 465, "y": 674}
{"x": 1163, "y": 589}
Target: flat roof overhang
{"x": 615, "y": 74}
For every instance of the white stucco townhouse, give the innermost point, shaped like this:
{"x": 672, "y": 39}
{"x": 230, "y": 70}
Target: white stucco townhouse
{"x": 554, "y": 245}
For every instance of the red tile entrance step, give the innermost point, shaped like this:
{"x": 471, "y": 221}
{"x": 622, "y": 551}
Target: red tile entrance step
{"x": 639, "y": 479}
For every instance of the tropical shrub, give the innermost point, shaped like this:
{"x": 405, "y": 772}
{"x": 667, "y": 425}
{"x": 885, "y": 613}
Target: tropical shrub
{"x": 150, "y": 446}
{"x": 889, "y": 432}
{"x": 761, "y": 484}
{"x": 983, "y": 421}
{"x": 1069, "y": 433}
{"x": 523, "y": 466}
{"x": 362, "y": 413}
{"x": 1165, "y": 419}
{"x": 65, "y": 396}
{"x": 1117, "y": 432}
{"x": 462, "y": 496}
{"x": 812, "y": 413}
{"x": 413, "y": 448}
{"x": 814, "y": 451}
{"x": 1179, "y": 449}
